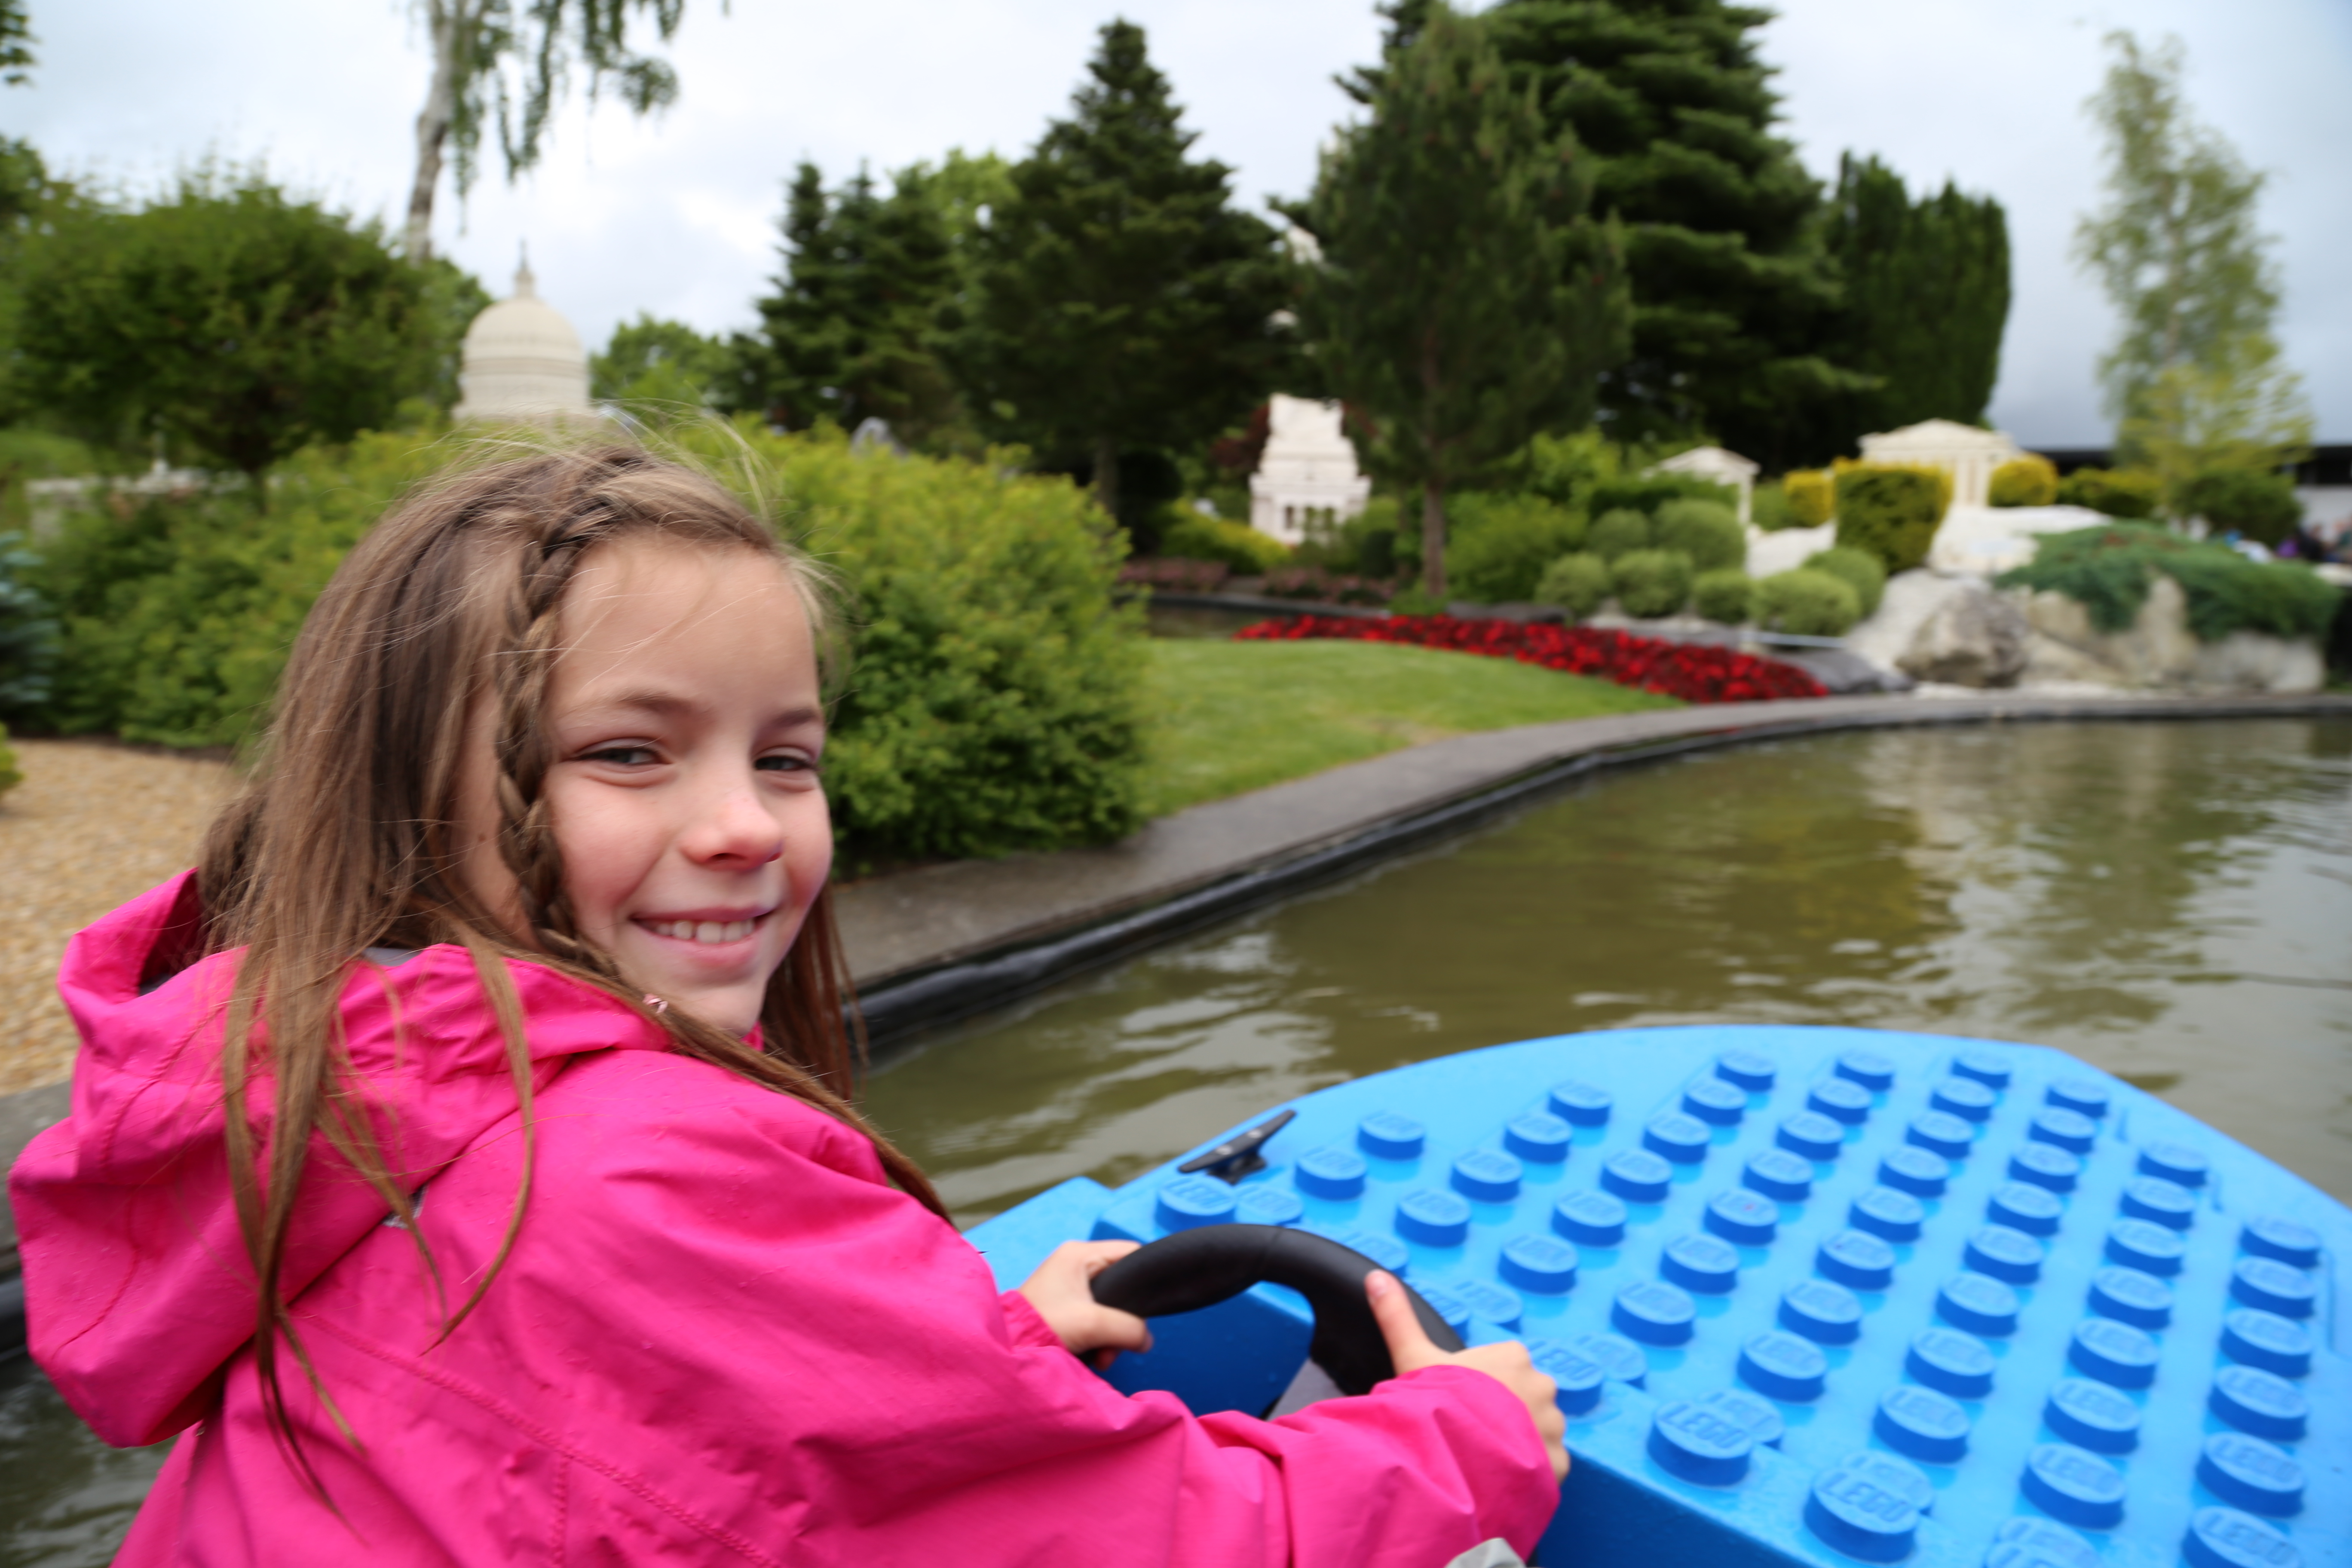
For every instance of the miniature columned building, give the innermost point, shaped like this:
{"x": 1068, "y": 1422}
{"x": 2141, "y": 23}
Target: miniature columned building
{"x": 1727, "y": 469}
{"x": 1966, "y": 453}
{"x": 1308, "y": 473}
{"x": 523, "y": 363}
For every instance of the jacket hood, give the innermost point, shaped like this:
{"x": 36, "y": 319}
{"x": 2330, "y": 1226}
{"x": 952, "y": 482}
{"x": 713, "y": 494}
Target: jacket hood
{"x": 137, "y": 1283}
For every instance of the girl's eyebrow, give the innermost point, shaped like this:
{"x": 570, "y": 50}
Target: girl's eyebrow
{"x": 671, "y": 705}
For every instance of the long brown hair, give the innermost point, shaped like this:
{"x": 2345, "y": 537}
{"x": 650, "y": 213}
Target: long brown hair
{"x": 347, "y": 836}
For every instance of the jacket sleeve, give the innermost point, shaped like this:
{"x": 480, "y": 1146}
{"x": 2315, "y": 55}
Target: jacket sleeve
{"x": 754, "y": 1290}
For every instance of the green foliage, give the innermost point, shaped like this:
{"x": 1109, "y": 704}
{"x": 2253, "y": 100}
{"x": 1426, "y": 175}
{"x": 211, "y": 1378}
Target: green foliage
{"x": 1727, "y": 594}
{"x": 29, "y": 632}
{"x": 1651, "y": 583}
{"x": 1238, "y": 544}
{"x": 2108, "y": 569}
{"x": 2196, "y": 380}
{"x": 653, "y": 362}
{"x": 1807, "y": 604}
{"x": 1615, "y": 532}
{"x": 1122, "y": 301}
{"x": 2260, "y": 504}
{"x": 1502, "y": 542}
{"x": 1890, "y": 512}
{"x": 1466, "y": 299}
{"x": 240, "y": 322}
{"x": 1707, "y": 531}
{"x": 1730, "y": 285}
{"x": 16, "y": 43}
{"x": 2118, "y": 492}
{"x": 1364, "y": 545}
{"x": 1768, "y": 509}
{"x": 1857, "y": 569}
{"x": 1812, "y": 495}
{"x": 2028, "y": 481}
{"x": 853, "y": 329}
{"x": 1578, "y": 584}
{"x": 1925, "y": 297}
{"x": 1648, "y": 493}
{"x": 9, "y": 777}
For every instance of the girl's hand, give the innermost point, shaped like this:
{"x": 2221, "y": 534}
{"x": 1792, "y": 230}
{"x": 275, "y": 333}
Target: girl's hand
{"x": 1060, "y": 1292}
{"x": 1411, "y": 1348}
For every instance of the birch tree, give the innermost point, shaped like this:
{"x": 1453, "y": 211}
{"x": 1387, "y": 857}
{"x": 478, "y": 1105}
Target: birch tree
{"x": 504, "y": 65}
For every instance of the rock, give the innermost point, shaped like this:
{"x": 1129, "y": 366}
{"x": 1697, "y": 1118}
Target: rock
{"x": 2249, "y": 661}
{"x": 2157, "y": 651}
{"x": 1841, "y": 673}
{"x": 1787, "y": 549}
{"x": 1514, "y": 610}
{"x": 1989, "y": 538}
{"x": 1943, "y": 630}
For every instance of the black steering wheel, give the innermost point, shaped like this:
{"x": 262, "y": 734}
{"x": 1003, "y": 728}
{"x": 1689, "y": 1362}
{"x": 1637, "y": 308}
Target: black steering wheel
{"x": 1195, "y": 1268}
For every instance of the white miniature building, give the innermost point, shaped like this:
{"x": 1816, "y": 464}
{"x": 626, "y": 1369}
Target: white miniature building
{"x": 1723, "y": 467}
{"x": 523, "y": 363}
{"x": 1968, "y": 454}
{"x": 1308, "y": 473}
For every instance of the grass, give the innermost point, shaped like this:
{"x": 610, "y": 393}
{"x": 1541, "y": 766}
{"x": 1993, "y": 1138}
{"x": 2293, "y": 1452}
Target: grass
{"x": 1235, "y": 716}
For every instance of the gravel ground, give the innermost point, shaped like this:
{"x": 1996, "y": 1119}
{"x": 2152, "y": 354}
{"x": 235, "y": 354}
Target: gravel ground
{"x": 93, "y": 826}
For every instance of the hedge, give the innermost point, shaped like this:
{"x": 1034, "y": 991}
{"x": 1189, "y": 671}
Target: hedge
{"x": 2028, "y": 481}
{"x": 1618, "y": 531}
{"x": 991, "y": 705}
{"x": 1195, "y": 537}
{"x": 1725, "y": 594}
{"x": 1811, "y": 496}
{"x": 1889, "y": 511}
{"x": 1806, "y": 603}
{"x": 2109, "y": 569}
{"x": 1501, "y": 541}
{"x": 9, "y": 777}
{"x": 2260, "y": 504}
{"x": 2118, "y": 492}
{"x": 1651, "y": 583}
{"x": 1576, "y": 583}
{"x": 1707, "y": 531}
{"x": 1857, "y": 569}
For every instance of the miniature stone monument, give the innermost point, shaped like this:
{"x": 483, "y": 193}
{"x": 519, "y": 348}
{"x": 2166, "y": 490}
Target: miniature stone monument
{"x": 1308, "y": 473}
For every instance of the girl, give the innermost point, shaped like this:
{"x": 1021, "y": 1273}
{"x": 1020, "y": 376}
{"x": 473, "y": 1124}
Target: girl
{"x": 460, "y": 1156}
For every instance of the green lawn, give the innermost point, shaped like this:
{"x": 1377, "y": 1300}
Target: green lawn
{"x": 1234, "y": 716}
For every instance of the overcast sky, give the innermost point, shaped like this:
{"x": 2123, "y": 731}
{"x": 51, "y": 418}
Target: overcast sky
{"x": 675, "y": 217}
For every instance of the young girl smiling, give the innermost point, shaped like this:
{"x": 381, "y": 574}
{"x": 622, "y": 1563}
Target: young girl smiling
{"x": 462, "y": 1161}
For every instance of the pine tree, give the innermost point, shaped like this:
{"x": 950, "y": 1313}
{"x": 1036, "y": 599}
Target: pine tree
{"x": 1122, "y": 302}
{"x": 1465, "y": 299}
{"x": 1925, "y": 297}
{"x": 851, "y": 332}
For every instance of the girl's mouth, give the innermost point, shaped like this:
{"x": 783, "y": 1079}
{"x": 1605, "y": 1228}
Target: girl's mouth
{"x": 710, "y": 933}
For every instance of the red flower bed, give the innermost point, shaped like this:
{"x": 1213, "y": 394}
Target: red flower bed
{"x": 1694, "y": 672}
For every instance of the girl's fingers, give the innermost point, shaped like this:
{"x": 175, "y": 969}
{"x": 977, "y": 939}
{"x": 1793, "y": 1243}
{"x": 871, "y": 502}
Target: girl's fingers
{"x": 1410, "y": 1346}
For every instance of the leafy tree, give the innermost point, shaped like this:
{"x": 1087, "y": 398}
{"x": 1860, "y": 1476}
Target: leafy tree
{"x": 1731, "y": 286}
{"x": 16, "y": 43}
{"x": 1466, "y": 300}
{"x": 233, "y": 319}
{"x": 1925, "y": 298}
{"x": 505, "y": 63}
{"x": 1121, "y": 301}
{"x": 2195, "y": 379}
{"x": 654, "y": 361}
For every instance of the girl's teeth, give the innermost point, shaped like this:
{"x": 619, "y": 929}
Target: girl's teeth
{"x": 706, "y": 931}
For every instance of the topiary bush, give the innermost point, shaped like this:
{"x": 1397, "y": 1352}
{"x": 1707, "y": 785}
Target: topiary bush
{"x": 1807, "y": 603}
{"x": 1645, "y": 493}
{"x": 2118, "y": 492}
{"x": 1727, "y": 594}
{"x": 1812, "y": 495}
{"x": 1500, "y": 542}
{"x": 2255, "y": 503}
{"x": 1857, "y": 569}
{"x": 1615, "y": 532}
{"x": 1707, "y": 531}
{"x": 9, "y": 777}
{"x": 1651, "y": 583}
{"x": 1890, "y": 512}
{"x": 2108, "y": 569}
{"x": 1195, "y": 537}
{"x": 2029, "y": 480}
{"x": 1576, "y": 583}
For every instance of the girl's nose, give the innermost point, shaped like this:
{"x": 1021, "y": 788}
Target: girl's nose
{"x": 734, "y": 830}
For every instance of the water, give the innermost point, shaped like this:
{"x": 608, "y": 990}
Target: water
{"x": 2172, "y": 901}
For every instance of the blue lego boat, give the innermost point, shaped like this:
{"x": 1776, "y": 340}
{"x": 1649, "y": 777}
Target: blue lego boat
{"x": 1811, "y": 1296}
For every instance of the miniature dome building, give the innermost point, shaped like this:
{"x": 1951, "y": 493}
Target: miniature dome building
{"x": 523, "y": 363}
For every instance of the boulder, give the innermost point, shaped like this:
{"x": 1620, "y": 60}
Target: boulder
{"x": 1943, "y": 630}
{"x": 2157, "y": 651}
{"x": 1773, "y": 553}
{"x": 1986, "y": 540}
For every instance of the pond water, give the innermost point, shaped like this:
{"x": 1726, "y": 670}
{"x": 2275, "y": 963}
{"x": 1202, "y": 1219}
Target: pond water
{"x": 2172, "y": 901}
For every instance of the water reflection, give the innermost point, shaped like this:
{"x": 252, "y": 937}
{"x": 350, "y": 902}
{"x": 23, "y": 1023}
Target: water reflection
{"x": 65, "y": 1498}
{"x": 2172, "y": 901}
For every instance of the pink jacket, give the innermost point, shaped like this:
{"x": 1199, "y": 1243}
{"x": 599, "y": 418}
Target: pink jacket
{"x": 721, "y": 1335}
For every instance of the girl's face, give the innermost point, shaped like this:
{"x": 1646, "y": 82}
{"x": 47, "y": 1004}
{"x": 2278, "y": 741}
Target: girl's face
{"x": 687, "y": 725}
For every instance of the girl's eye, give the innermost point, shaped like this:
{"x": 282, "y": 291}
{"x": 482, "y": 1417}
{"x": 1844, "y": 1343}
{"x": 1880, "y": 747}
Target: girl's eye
{"x": 785, "y": 763}
{"x": 621, "y": 756}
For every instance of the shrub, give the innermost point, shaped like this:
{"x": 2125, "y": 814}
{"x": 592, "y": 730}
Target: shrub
{"x": 1812, "y": 495}
{"x": 1651, "y": 583}
{"x": 2028, "y": 481}
{"x": 1238, "y": 544}
{"x": 1807, "y": 603}
{"x": 1501, "y": 542}
{"x": 1576, "y": 583}
{"x": 1365, "y": 544}
{"x": 1645, "y": 493}
{"x": 1891, "y": 512}
{"x": 9, "y": 777}
{"x": 1615, "y": 532}
{"x": 2257, "y": 504}
{"x": 1727, "y": 594}
{"x": 29, "y": 633}
{"x": 1707, "y": 531}
{"x": 1857, "y": 569}
{"x": 2118, "y": 492}
{"x": 2108, "y": 569}
{"x": 1770, "y": 510}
